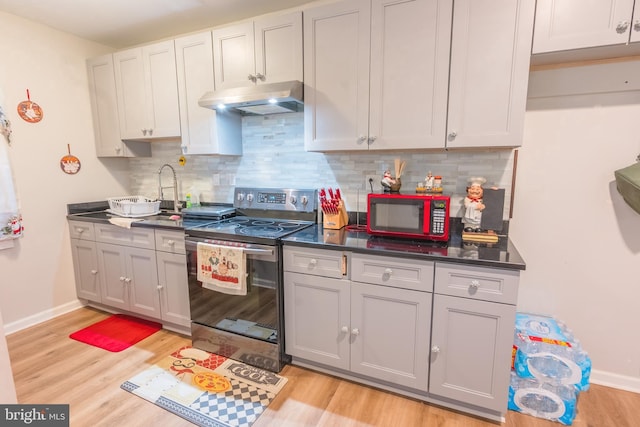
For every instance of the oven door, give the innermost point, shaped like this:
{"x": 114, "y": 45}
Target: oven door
{"x": 255, "y": 314}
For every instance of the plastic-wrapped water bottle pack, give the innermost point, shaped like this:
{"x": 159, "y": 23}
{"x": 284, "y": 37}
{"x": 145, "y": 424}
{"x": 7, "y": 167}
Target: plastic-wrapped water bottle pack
{"x": 550, "y": 368}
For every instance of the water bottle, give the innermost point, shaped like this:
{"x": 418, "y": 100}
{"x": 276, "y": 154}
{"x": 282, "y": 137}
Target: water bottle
{"x": 553, "y": 402}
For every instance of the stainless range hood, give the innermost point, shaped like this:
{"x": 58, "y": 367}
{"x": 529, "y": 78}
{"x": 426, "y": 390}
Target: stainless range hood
{"x": 269, "y": 98}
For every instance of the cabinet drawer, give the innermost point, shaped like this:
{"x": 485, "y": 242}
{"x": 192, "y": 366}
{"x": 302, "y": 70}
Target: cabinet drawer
{"x": 136, "y": 237}
{"x": 391, "y": 271}
{"x": 319, "y": 262}
{"x": 170, "y": 241}
{"x": 82, "y": 230}
{"x": 488, "y": 284}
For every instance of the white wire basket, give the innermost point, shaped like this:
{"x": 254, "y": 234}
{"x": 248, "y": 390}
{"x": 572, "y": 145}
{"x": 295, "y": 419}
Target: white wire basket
{"x": 133, "y": 206}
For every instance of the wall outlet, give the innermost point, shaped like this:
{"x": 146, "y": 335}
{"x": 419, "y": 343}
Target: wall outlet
{"x": 372, "y": 180}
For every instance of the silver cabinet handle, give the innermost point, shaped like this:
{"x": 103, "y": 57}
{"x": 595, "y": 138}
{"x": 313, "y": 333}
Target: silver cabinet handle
{"x": 622, "y": 27}
{"x": 355, "y": 331}
{"x": 94, "y": 272}
{"x": 127, "y": 280}
{"x": 122, "y": 278}
{"x": 361, "y": 138}
{"x": 251, "y": 77}
{"x": 313, "y": 262}
{"x": 150, "y": 131}
{"x": 171, "y": 243}
{"x": 144, "y": 132}
{"x": 453, "y": 134}
{"x": 79, "y": 230}
{"x": 474, "y": 284}
{"x": 118, "y": 149}
{"x": 344, "y": 329}
{"x": 260, "y": 76}
{"x": 372, "y": 139}
{"x": 435, "y": 349}
{"x": 160, "y": 287}
{"x": 636, "y": 25}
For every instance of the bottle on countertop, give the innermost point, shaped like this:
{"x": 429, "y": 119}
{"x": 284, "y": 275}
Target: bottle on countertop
{"x": 189, "y": 204}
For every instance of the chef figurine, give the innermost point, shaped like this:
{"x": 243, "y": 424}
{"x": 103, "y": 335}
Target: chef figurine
{"x": 387, "y": 180}
{"x": 428, "y": 181}
{"x": 473, "y": 205}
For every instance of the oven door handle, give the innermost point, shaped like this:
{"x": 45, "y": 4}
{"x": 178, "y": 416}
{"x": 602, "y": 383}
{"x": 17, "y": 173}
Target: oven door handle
{"x": 258, "y": 251}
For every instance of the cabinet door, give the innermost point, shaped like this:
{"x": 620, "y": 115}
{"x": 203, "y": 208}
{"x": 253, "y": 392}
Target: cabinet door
{"x": 577, "y": 24}
{"x": 173, "y": 288}
{"x": 471, "y": 345}
{"x": 336, "y": 76}
{"x": 85, "y": 268}
{"x": 233, "y": 56}
{"x": 635, "y": 26}
{"x": 130, "y": 90}
{"x": 410, "y": 43}
{"x": 202, "y": 131}
{"x": 278, "y": 48}
{"x": 317, "y": 319}
{"x": 163, "y": 116}
{"x": 390, "y": 334}
{"x": 490, "y": 52}
{"x": 104, "y": 107}
{"x": 142, "y": 277}
{"x": 113, "y": 269}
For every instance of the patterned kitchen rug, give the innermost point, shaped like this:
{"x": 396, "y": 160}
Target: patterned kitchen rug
{"x": 207, "y": 389}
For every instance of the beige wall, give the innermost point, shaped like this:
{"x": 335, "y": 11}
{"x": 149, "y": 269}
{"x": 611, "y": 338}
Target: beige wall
{"x": 579, "y": 238}
{"x": 37, "y": 275}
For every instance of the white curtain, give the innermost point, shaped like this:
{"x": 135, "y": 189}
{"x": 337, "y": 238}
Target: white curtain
{"x": 10, "y": 218}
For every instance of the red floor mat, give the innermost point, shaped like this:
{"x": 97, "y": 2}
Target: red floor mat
{"x": 117, "y": 332}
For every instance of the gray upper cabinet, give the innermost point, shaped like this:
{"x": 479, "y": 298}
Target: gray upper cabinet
{"x": 489, "y": 72}
{"x": 382, "y": 74}
{"x": 104, "y": 109}
{"x": 266, "y": 50}
{"x": 576, "y": 24}
{"x": 147, "y": 92}
{"x": 376, "y": 74}
{"x": 202, "y": 130}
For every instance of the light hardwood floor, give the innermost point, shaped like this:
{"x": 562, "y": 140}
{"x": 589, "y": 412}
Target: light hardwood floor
{"x": 49, "y": 367}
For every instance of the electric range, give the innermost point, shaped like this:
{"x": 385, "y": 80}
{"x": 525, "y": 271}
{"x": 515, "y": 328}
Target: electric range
{"x": 244, "y": 324}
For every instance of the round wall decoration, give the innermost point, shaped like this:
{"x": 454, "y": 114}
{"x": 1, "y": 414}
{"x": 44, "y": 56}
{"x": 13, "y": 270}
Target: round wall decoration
{"x": 29, "y": 110}
{"x": 70, "y": 164}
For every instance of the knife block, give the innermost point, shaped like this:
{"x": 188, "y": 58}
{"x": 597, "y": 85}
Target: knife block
{"x": 338, "y": 220}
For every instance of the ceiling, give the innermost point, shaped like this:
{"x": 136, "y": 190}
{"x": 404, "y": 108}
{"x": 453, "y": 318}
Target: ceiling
{"x": 124, "y": 23}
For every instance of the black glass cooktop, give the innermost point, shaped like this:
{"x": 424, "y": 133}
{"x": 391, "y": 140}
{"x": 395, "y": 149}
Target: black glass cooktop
{"x": 269, "y": 228}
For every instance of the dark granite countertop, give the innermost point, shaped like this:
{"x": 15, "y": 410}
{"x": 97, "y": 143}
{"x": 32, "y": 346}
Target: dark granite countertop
{"x": 98, "y": 212}
{"x": 498, "y": 255}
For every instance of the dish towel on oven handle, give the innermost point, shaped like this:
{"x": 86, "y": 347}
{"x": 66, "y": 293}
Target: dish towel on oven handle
{"x": 222, "y": 268}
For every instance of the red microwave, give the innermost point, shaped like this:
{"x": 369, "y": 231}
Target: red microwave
{"x": 412, "y": 216}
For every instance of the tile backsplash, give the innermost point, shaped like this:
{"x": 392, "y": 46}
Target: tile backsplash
{"x": 274, "y": 156}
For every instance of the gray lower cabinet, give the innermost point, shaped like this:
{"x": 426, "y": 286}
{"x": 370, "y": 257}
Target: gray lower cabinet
{"x": 138, "y": 270}
{"x": 474, "y": 312}
{"x": 85, "y": 261}
{"x": 173, "y": 283}
{"x": 370, "y": 330}
{"x": 130, "y": 278}
{"x": 438, "y": 331}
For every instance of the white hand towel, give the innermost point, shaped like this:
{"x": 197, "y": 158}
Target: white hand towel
{"x": 10, "y": 218}
{"x": 222, "y": 268}
{"x": 123, "y": 222}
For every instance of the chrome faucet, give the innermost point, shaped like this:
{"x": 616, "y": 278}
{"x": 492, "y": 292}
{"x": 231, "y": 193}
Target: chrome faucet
{"x": 176, "y": 204}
